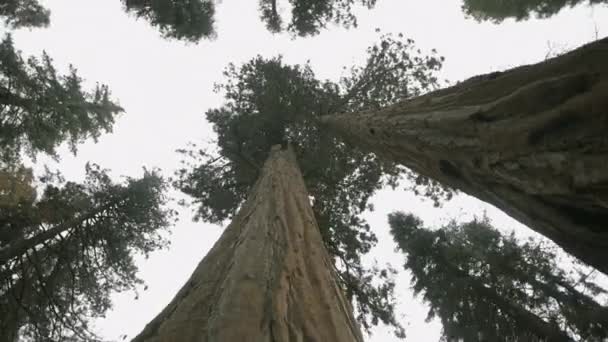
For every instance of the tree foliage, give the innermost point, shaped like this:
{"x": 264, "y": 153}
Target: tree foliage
{"x": 63, "y": 253}
{"x": 193, "y": 20}
{"x": 268, "y": 103}
{"x": 40, "y": 109}
{"x": 24, "y": 13}
{"x": 309, "y": 17}
{"x": 499, "y": 10}
{"x": 16, "y": 185}
{"x": 486, "y": 286}
{"x": 65, "y": 250}
{"x": 189, "y": 20}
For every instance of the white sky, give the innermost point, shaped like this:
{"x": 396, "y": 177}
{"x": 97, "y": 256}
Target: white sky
{"x": 166, "y": 86}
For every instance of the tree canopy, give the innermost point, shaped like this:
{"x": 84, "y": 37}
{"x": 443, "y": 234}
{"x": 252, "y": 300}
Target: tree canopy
{"x": 499, "y": 10}
{"x": 24, "y": 13}
{"x": 193, "y": 20}
{"x": 40, "y": 108}
{"x": 485, "y": 286}
{"x": 268, "y": 103}
{"x": 309, "y": 17}
{"x": 64, "y": 252}
{"x": 189, "y": 20}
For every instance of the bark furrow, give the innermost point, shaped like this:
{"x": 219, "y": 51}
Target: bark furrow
{"x": 533, "y": 141}
{"x": 268, "y": 277}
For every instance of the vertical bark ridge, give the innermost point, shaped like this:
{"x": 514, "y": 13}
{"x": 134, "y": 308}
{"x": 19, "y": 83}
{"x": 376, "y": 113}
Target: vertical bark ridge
{"x": 532, "y": 141}
{"x": 268, "y": 277}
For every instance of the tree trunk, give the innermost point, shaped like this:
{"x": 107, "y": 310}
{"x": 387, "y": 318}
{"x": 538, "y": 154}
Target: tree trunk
{"x": 21, "y": 245}
{"x": 523, "y": 317}
{"x": 533, "y": 141}
{"x": 268, "y": 277}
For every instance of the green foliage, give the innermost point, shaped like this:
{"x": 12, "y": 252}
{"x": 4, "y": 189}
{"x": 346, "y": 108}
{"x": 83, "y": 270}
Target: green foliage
{"x": 40, "y": 109}
{"x": 64, "y": 252}
{"x": 192, "y": 20}
{"x": 499, "y": 10}
{"x": 15, "y": 185}
{"x": 309, "y": 17}
{"x": 52, "y": 287}
{"x": 486, "y": 286}
{"x": 268, "y": 103}
{"x": 23, "y": 13}
{"x": 429, "y": 188}
{"x": 188, "y": 20}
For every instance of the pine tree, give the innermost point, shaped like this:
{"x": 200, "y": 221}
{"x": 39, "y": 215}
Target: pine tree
{"x": 530, "y": 141}
{"x": 64, "y": 253}
{"x": 40, "y": 109}
{"x": 267, "y": 103}
{"x": 499, "y": 10}
{"x": 268, "y": 277}
{"x": 488, "y": 287}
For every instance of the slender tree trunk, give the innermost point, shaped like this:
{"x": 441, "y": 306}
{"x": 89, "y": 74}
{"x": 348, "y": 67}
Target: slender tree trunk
{"x": 17, "y": 298}
{"x": 21, "y": 245}
{"x": 268, "y": 277}
{"x": 533, "y": 141}
{"x": 523, "y": 317}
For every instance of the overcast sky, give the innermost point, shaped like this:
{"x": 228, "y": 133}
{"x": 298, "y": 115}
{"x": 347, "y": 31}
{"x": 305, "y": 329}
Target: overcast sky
{"x": 166, "y": 86}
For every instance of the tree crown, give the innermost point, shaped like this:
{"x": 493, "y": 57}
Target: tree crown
{"x": 40, "y": 109}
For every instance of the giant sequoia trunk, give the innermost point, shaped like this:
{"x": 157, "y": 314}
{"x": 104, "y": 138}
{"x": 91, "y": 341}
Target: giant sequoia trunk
{"x": 268, "y": 277}
{"x": 533, "y": 141}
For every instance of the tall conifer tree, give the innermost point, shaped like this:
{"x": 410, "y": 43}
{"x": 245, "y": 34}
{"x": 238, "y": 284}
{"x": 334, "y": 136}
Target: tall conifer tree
{"x": 484, "y": 286}
{"x": 267, "y": 278}
{"x": 530, "y": 140}
{"x": 267, "y": 103}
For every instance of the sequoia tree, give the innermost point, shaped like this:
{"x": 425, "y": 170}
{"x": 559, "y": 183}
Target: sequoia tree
{"x": 531, "y": 140}
{"x": 485, "y": 286}
{"x": 268, "y": 103}
{"x": 267, "y": 278}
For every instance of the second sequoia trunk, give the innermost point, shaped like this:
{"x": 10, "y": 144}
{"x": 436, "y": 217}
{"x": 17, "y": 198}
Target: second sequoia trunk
{"x": 533, "y": 141}
{"x": 268, "y": 277}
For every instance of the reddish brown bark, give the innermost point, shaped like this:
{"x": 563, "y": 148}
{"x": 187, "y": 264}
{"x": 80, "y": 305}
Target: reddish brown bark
{"x": 268, "y": 277}
{"x": 533, "y": 141}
